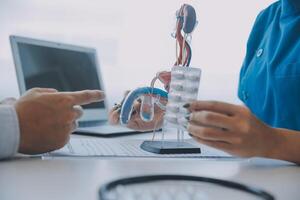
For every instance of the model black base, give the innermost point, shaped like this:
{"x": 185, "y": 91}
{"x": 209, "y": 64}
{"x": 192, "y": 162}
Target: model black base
{"x": 169, "y": 147}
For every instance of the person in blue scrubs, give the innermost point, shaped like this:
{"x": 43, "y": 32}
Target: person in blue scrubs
{"x": 269, "y": 123}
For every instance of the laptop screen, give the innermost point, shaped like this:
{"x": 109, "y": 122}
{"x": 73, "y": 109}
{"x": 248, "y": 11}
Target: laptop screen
{"x": 62, "y": 69}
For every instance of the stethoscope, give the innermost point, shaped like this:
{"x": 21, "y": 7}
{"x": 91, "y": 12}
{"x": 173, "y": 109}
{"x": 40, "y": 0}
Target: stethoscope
{"x": 109, "y": 187}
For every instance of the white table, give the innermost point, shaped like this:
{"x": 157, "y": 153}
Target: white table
{"x": 80, "y": 178}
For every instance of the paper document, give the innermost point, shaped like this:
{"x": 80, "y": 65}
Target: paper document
{"x": 123, "y": 148}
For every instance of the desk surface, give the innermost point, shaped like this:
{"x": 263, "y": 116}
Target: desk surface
{"x": 80, "y": 178}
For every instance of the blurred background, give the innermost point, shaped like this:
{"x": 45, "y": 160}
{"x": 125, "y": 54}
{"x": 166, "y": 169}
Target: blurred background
{"x": 133, "y": 39}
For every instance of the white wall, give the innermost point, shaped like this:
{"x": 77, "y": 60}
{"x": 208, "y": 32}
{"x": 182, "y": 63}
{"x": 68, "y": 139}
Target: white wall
{"x": 133, "y": 38}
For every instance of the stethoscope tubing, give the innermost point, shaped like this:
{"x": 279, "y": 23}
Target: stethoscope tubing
{"x": 152, "y": 178}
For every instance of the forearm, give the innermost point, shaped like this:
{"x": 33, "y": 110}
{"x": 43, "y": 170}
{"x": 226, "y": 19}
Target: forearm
{"x": 287, "y": 145}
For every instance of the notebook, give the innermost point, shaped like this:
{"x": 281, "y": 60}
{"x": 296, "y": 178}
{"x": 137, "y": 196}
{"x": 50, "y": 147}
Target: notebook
{"x": 98, "y": 147}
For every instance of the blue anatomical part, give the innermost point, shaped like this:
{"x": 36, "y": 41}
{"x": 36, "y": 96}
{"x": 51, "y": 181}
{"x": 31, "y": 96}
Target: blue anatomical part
{"x": 127, "y": 106}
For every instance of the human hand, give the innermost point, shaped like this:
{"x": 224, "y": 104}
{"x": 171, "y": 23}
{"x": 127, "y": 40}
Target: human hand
{"x": 136, "y": 121}
{"x": 231, "y": 128}
{"x": 47, "y": 117}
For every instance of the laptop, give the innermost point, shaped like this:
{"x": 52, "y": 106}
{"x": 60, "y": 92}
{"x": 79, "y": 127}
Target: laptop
{"x": 64, "y": 67}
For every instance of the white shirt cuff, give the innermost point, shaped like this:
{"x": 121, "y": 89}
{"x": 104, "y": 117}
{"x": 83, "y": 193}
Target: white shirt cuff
{"x": 9, "y": 131}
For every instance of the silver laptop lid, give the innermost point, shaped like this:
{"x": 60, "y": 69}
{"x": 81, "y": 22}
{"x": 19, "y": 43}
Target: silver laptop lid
{"x": 61, "y": 66}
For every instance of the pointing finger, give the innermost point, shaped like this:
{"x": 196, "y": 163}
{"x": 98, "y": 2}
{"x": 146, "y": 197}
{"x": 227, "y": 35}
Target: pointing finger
{"x": 86, "y": 96}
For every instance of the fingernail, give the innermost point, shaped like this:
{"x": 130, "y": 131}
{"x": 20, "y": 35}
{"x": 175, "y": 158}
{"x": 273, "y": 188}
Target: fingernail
{"x": 133, "y": 112}
{"x": 185, "y": 126}
{"x": 187, "y": 105}
{"x": 188, "y": 117}
{"x": 117, "y": 107}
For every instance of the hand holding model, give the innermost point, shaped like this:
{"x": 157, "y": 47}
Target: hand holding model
{"x": 231, "y": 128}
{"x": 234, "y": 129}
{"x": 136, "y": 122}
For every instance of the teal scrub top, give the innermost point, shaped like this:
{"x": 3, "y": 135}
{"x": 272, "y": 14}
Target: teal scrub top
{"x": 270, "y": 76}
